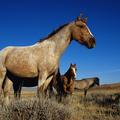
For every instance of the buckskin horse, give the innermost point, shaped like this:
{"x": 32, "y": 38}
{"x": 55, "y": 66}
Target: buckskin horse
{"x": 42, "y": 58}
{"x": 86, "y": 83}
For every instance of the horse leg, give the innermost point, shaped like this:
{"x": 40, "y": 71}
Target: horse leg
{"x": 17, "y": 92}
{"x": 71, "y": 89}
{"x": 47, "y": 82}
{"x": 6, "y": 90}
{"x": 41, "y": 80}
{"x": 59, "y": 91}
{"x": 52, "y": 91}
{"x": 85, "y": 92}
{"x": 54, "y": 86}
{"x": 65, "y": 89}
{"x": 17, "y": 89}
{"x": 46, "y": 86}
{"x": 50, "y": 88}
{"x": 2, "y": 77}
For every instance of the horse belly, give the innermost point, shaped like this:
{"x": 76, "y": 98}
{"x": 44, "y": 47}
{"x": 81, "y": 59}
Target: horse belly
{"x": 80, "y": 85}
{"x": 25, "y": 71}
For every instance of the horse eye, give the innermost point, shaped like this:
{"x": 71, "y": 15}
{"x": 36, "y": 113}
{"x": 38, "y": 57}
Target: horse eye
{"x": 81, "y": 26}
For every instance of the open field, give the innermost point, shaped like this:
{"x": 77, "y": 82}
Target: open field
{"x": 101, "y": 103}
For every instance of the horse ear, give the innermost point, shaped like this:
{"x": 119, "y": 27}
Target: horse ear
{"x": 78, "y": 18}
{"x": 85, "y": 20}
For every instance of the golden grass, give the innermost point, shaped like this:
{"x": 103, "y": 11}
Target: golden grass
{"x": 100, "y": 104}
{"x": 92, "y": 108}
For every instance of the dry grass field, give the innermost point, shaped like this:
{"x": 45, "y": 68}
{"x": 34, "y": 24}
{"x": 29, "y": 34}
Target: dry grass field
{"x": 101, "y": 103}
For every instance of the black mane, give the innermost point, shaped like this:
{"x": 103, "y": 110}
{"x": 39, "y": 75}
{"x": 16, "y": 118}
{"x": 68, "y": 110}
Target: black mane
{"x": 54, "y": 32}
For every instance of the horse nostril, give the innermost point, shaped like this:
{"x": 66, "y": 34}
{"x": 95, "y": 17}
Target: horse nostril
{"x": 92, "y": 42}
{"x": 74, "y": 77}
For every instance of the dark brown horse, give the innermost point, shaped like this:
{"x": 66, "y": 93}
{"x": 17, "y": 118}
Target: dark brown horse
{"x": 64, "y": 84}
{"x": 86, "y": 83}
{"x": 68, "y": 80}
{"x": 42, "y": 59}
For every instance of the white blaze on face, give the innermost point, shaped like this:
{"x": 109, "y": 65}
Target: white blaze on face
{"x": 89, "y": 31}
{"x": 74, "y": 72}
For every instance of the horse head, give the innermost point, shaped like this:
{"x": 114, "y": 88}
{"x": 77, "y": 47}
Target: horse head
{"x": 81, "y": 33}
{"x": 73, "y": 70}
{"x": 97, "y": 81}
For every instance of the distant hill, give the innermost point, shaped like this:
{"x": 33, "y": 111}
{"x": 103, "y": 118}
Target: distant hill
{"x": 108, "y": 86}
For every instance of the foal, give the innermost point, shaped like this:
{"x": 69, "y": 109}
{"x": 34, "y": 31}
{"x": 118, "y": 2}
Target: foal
{"x": 64, "y": 84}
{"x": 68, "y": 80}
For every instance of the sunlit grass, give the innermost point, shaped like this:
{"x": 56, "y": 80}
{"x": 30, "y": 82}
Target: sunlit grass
{"x": 100, "y": 104}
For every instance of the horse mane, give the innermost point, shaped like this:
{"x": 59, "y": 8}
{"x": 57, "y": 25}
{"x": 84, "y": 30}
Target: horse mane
{"x": 53, "y": 32}
{"x": 67, "y": 74}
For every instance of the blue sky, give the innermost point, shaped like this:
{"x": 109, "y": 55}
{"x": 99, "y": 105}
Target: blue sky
{"x": 24, "y": 22}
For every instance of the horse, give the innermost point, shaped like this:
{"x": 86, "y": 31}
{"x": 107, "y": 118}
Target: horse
{"x": 42, "y": 58}
{"x": 68, "y": 80}
{"x": 86, "y": 83}
{"x": 64, "y": 83}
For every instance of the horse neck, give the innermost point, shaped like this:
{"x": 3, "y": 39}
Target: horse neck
{"x": 61, "y": 40}
{"x": 91, "y": 83}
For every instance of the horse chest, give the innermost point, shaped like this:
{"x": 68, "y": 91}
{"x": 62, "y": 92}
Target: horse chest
{"x": 49, "y": 62}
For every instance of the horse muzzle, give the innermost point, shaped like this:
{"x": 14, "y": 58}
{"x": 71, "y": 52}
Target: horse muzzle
{"x": 74, "y": 78}
{"x": 91, "y": 43}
